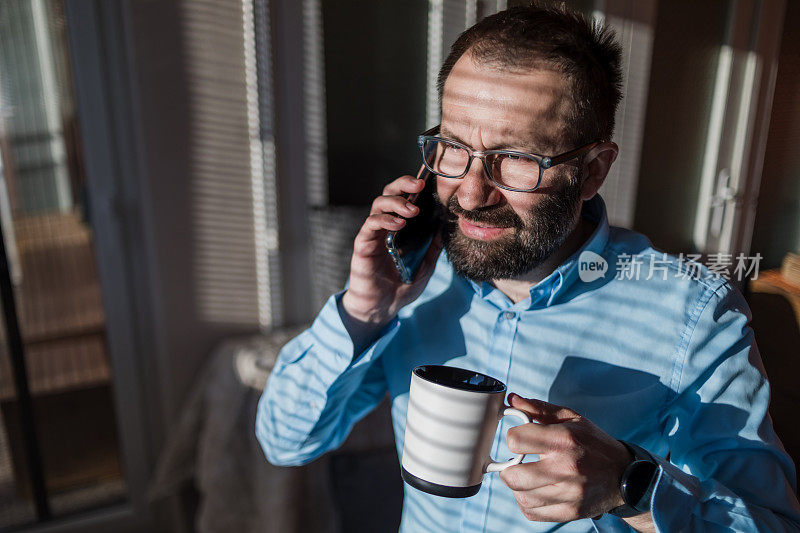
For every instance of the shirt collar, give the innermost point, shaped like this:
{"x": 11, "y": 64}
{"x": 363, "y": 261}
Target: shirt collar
{"x": 554, "y": 286}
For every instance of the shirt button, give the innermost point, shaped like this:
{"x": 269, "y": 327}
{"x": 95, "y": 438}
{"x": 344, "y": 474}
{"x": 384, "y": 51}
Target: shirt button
{"x": 509, "y": 315}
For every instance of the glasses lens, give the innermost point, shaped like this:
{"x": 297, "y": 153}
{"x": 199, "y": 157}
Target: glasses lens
{"x": 447, "y": 158}
{"x": 514, "y": 170}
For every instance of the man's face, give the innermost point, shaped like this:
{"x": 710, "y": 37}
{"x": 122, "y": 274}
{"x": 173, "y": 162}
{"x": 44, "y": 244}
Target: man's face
{"x": 491, "y": 233}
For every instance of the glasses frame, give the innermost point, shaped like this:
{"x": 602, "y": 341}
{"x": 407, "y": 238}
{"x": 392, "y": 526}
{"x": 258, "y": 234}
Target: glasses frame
{"x": 543, "y": 161}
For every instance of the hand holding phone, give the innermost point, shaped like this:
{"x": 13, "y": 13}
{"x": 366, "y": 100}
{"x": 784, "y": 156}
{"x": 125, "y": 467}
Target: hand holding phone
{"x": 408, "y": 245}
{"x": 376, "y": 292}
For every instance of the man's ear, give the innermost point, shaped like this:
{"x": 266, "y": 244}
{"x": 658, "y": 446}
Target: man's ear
{"x": 596, "y": 165}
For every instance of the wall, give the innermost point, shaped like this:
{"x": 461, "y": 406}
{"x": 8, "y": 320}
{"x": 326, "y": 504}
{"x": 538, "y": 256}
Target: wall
{"x": 375, "y": 66}
{"x": 777, "y": 225}
{"x": 686, "y": 45}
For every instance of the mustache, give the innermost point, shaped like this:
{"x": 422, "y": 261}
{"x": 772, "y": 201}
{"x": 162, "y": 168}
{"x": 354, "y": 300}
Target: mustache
{"x": 502, "y": 216}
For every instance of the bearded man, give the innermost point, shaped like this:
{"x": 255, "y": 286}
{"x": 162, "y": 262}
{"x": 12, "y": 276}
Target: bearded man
{"x": 660, "y": 370}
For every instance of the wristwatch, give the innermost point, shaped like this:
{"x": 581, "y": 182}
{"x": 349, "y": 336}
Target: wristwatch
{"x": 637, "y": 483}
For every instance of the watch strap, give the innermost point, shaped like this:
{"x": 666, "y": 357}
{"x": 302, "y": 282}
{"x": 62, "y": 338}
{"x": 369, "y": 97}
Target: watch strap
{"x": 638, "y": 453}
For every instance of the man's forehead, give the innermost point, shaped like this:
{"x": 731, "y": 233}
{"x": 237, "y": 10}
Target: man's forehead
{"x": 502, "y": 135}
{"x": 532, "y": 102}
{"x": 535, "y": 80}
{"x": 507, "y": 102}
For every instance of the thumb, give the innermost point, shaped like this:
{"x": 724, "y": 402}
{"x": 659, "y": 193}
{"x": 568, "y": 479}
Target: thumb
{"x": 541, "y": 411}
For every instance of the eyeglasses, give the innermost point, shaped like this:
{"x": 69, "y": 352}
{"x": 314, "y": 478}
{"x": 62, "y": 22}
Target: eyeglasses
{"x": 507, "y": 169}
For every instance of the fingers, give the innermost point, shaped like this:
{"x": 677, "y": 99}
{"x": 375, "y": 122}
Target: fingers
{"x": 561, "y": 512}
{"x": 383, "y": 221}
{"x": 370, "y": 238}
{"x": 544, "y": 496}
{"x": 394, "y": 204}
{"x": 541, "y": 411}
{"x": 531, "y": 476}
{"x": 543, "y": 439}
{"x": 404, "y": 184}
{"x": 555, "y": 430}
{"x": 387, "y": 214}
{"x": 560, "y": 501}
{"x": 544, "y": 493}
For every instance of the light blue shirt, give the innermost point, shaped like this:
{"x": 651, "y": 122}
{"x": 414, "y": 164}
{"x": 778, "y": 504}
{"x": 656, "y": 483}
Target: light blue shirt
{"x": 668, "y": 363}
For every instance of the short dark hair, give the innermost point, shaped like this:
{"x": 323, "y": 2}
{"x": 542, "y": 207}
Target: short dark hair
{"x": 587, "y": 53}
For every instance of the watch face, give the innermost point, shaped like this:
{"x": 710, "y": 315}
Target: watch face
{"x": 640, "y": 476}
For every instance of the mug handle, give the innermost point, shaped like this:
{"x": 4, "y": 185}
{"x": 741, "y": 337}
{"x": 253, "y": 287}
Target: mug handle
{"x": 495, "y": 466}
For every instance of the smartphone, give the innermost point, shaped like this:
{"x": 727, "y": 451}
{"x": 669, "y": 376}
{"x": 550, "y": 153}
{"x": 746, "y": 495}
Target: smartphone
{"x": 408, "y": 245}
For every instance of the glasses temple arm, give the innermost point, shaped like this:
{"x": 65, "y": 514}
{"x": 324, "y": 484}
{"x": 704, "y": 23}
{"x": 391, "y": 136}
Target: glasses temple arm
{"x": 572, "y": 154}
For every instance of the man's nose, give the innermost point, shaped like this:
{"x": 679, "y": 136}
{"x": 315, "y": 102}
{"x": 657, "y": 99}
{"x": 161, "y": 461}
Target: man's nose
{"x": 475, "y": 189}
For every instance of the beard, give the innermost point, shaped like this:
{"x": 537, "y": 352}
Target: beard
{"x": 532, "y": 241}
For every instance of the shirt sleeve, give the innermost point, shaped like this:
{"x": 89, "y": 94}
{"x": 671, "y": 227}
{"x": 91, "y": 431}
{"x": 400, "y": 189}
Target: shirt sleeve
{"x": 319, "y": 389}
{"x": 727, "y": 470}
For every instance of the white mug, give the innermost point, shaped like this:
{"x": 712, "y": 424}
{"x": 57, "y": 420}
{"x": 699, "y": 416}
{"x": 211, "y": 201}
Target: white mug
{"x": 451, "y": 421}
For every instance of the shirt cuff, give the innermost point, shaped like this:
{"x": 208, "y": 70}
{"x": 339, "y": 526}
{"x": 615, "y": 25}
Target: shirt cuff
{"x": 675, "y": 494}
{"x": 328, "y": 330}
